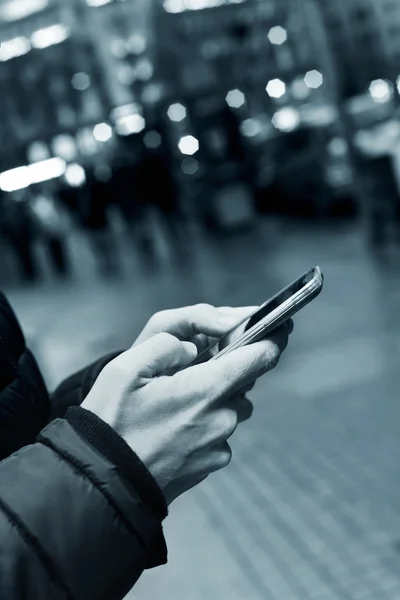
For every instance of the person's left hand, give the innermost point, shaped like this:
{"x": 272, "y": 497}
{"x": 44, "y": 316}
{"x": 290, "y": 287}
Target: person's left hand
{"x": 203, "y": 325}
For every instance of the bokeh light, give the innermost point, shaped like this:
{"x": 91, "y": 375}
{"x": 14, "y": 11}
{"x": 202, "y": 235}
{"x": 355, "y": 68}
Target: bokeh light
{"x": 177, "y": 112}
{"x": 287, "y": 119}
{"x": 314, "y": 79}
{"x": 75, "y": 175}
{"x": 276, "y": 88}
{"x": 235, "y": 98}
{"x": 277, "y": 35}
{"x": 102, "y": 132}
{"x": 188, "y": 145}
{"x": 381, "y": 91}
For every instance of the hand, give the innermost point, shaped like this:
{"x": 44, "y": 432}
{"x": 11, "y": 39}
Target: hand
{"x": 179, "y": 425}
{"x": 202, "y": 324}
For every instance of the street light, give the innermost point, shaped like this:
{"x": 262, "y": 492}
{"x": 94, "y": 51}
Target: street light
{"x": 102, "y": 132}
{"x": 45, "y": 170}
{"x": 277, "y": 35}
{"x": 380, "y": 91}
{"x": 50, "y": 36}
{"x": 15, "y": 179}
{"x": 235, "y": 98}
{"x": 13, "y": 48}
{"x": 75, "y": 175}
{"x": 287, "y": 119}
{"x": 188, "y": 145}
{"x": 176, "y": 112}
{"x": 314, "y": 79}
{"x": 14, "y": 10}
{"x": 80, "y": 81}
{"x": 130, "y": 125}
{"x": 276, "y": 88}
{"x": 96, "y": 3}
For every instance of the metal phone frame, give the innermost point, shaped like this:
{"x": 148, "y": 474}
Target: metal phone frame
{"x": 278, "y": 316}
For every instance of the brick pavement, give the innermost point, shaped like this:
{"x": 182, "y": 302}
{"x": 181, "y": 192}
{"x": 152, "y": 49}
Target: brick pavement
{"x": 310, "y": 507}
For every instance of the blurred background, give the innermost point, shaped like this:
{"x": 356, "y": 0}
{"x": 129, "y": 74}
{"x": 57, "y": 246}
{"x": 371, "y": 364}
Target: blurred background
{"x": 156, "y": 154}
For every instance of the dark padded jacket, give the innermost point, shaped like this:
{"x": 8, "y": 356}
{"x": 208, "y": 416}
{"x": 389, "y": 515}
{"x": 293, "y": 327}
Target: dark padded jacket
{"x": 80, "y": 515}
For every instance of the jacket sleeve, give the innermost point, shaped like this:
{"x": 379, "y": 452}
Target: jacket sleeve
{"x": 72, "y": 524}
{"x": 74, "y": 390}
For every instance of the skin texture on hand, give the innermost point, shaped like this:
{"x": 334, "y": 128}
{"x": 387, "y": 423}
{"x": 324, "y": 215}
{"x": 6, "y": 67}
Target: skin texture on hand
{"x": 178, "y": 418}
{"x": 202, "y": 324}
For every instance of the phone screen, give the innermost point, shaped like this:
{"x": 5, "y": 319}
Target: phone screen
{"x": 280, "y": 298}
{"x": 249, "y": 322}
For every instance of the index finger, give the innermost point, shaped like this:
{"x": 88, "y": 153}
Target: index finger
{"x": 185, "y": 323}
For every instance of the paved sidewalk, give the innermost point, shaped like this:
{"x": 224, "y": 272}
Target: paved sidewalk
{"x": 310, "y": 507}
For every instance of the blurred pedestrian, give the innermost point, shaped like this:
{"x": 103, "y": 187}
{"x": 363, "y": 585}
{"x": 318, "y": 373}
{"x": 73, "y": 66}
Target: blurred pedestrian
{"x": 18, "y": 228}
{"x": 156, "y": 186}
{"x": 133, "y": 205}
{"x": 381, "y": 198}
{"x": 95, "y": 217}
{"x": 52, "y": 226}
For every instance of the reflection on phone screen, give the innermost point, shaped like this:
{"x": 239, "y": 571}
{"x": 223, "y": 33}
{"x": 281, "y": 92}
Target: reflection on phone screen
{"x": 279, "y": 299}
{"x": 252, "y": 319}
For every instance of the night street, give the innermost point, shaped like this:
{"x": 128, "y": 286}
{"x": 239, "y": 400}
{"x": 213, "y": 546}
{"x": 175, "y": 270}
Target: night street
{"x": 161, "y": 154}
{"x": 310, "y": 507}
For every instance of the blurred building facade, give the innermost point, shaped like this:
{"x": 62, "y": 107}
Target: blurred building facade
{"x": 46, "y": 89}
{"x": 122, "y": 33}
{"x": 63, "y": 68}
{"x": 365, "y": 39}
{"x": 72, "y": 73}
{"x": 229, "y": 45}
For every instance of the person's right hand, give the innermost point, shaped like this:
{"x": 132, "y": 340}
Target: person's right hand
{"x": 179, "y": 425}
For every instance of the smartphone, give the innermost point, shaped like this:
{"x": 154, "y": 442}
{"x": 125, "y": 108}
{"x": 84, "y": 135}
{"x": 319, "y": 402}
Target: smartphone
{"x": 271, "y": 315}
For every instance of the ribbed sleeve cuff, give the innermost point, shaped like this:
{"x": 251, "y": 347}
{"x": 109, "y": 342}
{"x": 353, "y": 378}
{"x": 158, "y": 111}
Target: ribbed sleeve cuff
{"x": 102, "y": 437}
{"x": 116, "y": 450}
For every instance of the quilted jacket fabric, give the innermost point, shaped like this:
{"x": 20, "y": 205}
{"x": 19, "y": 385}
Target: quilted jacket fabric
{"x": 80, "y": 515}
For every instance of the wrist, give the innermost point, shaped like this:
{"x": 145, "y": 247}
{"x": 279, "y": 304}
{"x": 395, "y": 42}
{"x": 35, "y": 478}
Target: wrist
{"x": 115, "y": 449}
{"x": 106, "y": 411}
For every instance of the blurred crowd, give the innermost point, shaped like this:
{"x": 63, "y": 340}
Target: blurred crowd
{"x": 138, "y": 182}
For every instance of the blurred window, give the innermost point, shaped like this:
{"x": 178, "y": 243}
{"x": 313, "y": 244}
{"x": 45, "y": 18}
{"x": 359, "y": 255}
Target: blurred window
{"x": 394, "y": 32}
{"x": 368, "y": 38}
{"x": 362, "y": 14}
{"x": 333, "y": 21}
{"x": 392, "y": 6}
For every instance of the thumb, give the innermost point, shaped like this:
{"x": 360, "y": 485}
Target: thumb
{"x": 159, "y": 355}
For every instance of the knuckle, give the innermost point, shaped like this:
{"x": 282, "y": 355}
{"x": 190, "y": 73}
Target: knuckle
{"x": 114, "y": 369}
{"x": 229, "y": 423}
{"x": 166, "y": 339}
{"x": 158, "y": 318}
{"x": 202, "y": 308}
{"x": 273, "y": 355}
{"x": 225, "y": 457}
